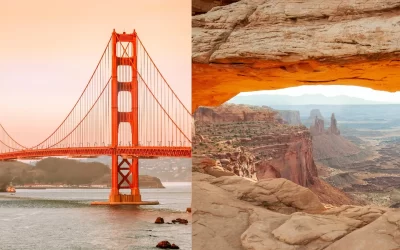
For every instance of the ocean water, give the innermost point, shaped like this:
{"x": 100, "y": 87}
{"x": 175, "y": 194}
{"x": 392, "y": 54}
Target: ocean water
{"x": 64, "y": 219}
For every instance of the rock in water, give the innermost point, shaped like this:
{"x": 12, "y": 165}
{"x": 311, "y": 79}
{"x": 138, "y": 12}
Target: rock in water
{"x": 180, "y": 221}
{"x": 159, "y": 220}
{"x": 173, "y": 246}
{"x": 164, "y": 245}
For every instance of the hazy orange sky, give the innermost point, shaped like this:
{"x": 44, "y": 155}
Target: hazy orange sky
{"x": 49, "y": 49}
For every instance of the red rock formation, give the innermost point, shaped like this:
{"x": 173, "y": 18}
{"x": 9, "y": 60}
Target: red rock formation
{"x": 278, "y": 149}
{"x": 259, "y": 148}
{"x": 290, "y": 155}
{"x": 318, "y": 128}
{"x": 291, "y": 117}
{"x": 235, "y": 113}
{"x": 333, "y": 128}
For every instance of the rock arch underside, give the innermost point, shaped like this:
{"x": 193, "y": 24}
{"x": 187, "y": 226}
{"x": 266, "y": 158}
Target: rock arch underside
{"x": 255, "y": 45}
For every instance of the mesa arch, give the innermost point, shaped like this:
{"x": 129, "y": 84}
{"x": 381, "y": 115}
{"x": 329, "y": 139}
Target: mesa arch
{"x": 255, "y": 45}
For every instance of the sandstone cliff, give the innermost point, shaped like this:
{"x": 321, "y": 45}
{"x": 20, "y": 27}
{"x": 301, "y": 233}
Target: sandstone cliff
{"x": 256, "y": 148}
{"x": 292, "y": 117}
{"x": 235, "y": 113}
{"x": 333, "y": 129}
{"x": 314, "y": 115}
{"x": 269, "y": 44}
{"x": 203, "y": 6}
{"x": 318, "y": 128}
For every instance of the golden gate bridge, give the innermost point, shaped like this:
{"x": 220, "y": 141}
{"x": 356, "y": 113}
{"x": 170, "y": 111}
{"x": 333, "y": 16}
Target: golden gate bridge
{"x": 127, "y": 111}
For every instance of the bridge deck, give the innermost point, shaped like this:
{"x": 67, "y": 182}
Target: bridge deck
{"x": 145, "y": 152}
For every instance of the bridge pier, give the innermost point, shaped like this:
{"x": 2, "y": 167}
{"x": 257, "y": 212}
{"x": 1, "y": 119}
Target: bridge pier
{"x": 130, "y": 179}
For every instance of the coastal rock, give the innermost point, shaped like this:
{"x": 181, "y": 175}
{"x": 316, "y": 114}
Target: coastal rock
{"x": 164, "y": 245}
{"x": 180, "y": 221}
{"x": 255, "y": 45}
{"x": 173, "y": 246}
{"x": 147, "y": 181}
{"x": 159, "y": 220}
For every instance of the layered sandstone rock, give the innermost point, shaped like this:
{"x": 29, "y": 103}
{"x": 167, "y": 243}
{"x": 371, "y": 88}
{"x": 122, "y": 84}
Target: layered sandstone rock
{"x": 257, "y": 148}
{"x": 292, "y": 117}
{"x": 234, "y": 213}
{"x": 318, "y": 128}
{"x": 269, "y": 44}
{"x": 333, "y": 129}
{"x": 235, "y": 113}
{"x": 327, "y": 143}
{"x": 202, "y": 6}
{"x": 251, "y": 142}
{"x": 314, "y": 115}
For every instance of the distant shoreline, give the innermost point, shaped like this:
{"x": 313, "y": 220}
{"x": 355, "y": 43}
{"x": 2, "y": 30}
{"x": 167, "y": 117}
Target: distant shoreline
{"x": 42, "y": 188}
{"x": 80, "y": 187}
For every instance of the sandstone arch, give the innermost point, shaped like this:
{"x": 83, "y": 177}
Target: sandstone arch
{"x": 255, "y": 45}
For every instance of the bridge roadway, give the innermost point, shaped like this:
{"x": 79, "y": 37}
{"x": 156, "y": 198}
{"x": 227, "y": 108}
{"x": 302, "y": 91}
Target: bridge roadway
{"x": 142, "y": 151}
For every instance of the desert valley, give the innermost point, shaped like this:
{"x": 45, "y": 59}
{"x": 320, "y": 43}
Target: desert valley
{"x": 337, "y": 169}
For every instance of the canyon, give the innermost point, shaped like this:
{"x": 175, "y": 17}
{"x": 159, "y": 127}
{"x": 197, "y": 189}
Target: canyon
{"x": 255, "y": 142}
{"x": 256, "y": 186}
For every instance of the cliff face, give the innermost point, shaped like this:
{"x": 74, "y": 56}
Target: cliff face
{"x": 318, "y": 128}
{"x": 269, "y": 44}
{"x": 258, "y": 148}
{"x": 292, "y": 117}
{"x": 314, "y": 114}
{"x": 333, "y": 129}
{"x": 289, "y": 154}
{"x": 234, "y": 113}
{"x": 252, "y": 143}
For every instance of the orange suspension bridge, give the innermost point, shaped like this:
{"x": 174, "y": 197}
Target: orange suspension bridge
{"x": 127, "y": 110}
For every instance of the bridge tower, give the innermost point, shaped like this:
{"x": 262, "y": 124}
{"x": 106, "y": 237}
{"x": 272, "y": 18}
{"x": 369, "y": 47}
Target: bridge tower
{"x": 127, "y": 168}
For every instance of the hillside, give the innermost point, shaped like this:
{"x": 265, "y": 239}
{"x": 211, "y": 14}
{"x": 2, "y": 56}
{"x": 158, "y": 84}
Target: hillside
{"x": 62, "y": 171}
{"x": 167, "y": 169}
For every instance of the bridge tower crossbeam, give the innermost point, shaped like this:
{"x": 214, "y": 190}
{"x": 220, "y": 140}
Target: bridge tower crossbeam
{"x": 128, "y": 169}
